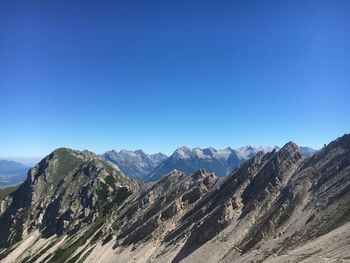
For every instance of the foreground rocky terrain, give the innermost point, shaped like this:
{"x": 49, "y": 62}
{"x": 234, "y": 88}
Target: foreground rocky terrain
{"x": 276, "y": 207}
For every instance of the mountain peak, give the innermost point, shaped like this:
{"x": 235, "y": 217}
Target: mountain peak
{"x": 135, "y": 164}
{"x": 63, "y": 150}
{"x": 290, "y": 146}
{"x": 139, "y": 151}
{"x": 344, "y": 141}
{"x": 66, "y": 191}
{"x": 182, "y": 153}
{"x": 183, "y": 149}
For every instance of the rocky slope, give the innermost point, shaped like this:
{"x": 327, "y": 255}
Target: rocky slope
{"x": 276, "y": 207}
{"x": 134, "y": 164}
{"x": 272, "y": 204}
{"x": 67, "y": 194}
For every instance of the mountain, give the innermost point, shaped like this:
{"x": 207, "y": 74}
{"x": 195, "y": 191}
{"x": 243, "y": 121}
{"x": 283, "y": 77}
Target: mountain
{"x": 190, "y": 160}
{"x": 135, "y": 164}
{"x": 248, "y": 152}
{"x": 275, "y": 207}
{"x": 221, "y": 162}
{"x": 12, "y": 173}
{"x": 67, "y": 194}
{"x": 307, "y": 151}
{"x": 6, "y": 166}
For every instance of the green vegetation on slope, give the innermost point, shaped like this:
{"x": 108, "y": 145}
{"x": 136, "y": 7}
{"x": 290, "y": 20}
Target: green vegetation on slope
{"x": 6, "y": 191}
{"x": 67, "y": 161}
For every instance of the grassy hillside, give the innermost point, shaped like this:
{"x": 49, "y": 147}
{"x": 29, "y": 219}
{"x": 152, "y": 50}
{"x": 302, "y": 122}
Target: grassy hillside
{"x": 6, "y": 191}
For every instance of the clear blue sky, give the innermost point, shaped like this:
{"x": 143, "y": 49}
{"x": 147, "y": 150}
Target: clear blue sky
{"x": 156, "y": 75}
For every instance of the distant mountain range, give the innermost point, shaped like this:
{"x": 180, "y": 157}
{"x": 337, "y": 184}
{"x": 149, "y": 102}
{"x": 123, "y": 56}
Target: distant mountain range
{"x": 12, "y": 173}
{"x": 152, "y": 167}
{"x": 142, "y": 166}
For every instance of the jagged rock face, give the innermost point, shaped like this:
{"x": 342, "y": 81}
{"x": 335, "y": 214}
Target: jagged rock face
{"x": 248, "y": 192}
{"x": 315, "y": 201}
{"x": 65, "y": 192}
{"x": 134, "y": 164}
{"x": 158, "y": 209}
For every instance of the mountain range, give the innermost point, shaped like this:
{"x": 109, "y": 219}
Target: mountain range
{"x": 12, "y": 173}
{"x": 275, "y": 207}
{"x": 150, "y": 168}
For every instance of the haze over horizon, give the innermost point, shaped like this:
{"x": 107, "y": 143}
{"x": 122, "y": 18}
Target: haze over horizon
{"x": 158, "y": 75}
